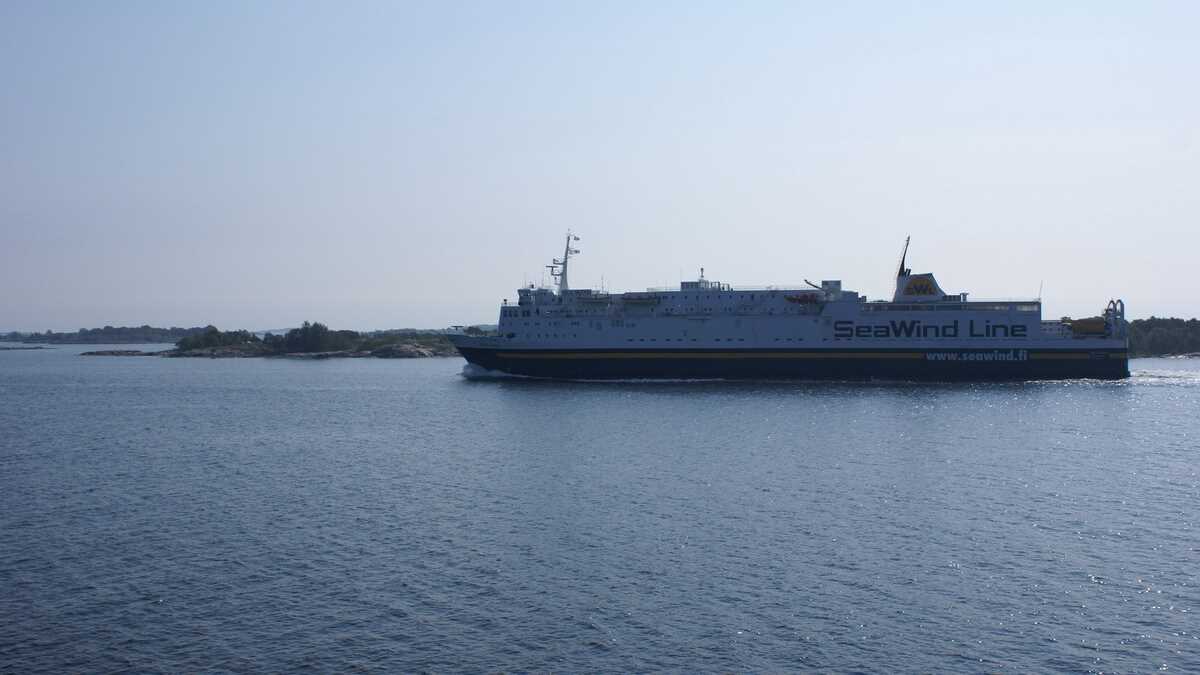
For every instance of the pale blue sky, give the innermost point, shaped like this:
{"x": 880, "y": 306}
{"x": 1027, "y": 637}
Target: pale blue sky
{"x": 410, "y": 164}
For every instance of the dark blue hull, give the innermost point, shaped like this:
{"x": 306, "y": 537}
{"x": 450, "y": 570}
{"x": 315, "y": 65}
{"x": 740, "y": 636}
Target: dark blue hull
{"x": 896, "y": 364}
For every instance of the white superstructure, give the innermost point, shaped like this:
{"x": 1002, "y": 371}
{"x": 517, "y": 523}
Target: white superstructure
{"x": 714, "y": 314}
{"x": 704, "y": 319}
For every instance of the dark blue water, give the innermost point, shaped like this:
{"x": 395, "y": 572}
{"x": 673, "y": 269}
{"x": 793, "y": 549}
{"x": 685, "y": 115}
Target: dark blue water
{"x": 265, "y": 515}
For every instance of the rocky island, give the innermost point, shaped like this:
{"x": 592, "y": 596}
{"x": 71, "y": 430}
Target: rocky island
{"x": 310, "y": 341}
{"x": 120, "y": 352}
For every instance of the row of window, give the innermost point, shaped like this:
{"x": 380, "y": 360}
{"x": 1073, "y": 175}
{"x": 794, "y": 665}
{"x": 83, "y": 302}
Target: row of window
{"x": 514, "y": 313}
{"x": 950, "y": 307}
{"x": 751, "y": 296}
{"x": 684, "y": 311}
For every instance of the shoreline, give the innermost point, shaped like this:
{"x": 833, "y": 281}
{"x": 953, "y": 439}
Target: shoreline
{"x": 389, "y": 352}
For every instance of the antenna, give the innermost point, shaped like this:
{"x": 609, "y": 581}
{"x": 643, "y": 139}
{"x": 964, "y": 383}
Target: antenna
{"x": 558, "y": 268}
{"x": 1040, "y": 290}
{"x": 901, "y": 271}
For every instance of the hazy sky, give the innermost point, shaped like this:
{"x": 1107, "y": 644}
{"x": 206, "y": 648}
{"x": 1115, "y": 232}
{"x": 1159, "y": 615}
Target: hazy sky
{"x": 255, "y": 164}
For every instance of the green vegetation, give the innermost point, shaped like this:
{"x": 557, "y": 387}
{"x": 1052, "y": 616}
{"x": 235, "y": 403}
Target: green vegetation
{"x": 106, "y": 335}
{"x": 317, "y": 338}
{"x": 211, "y": 337}
{"x": 1161, "y": 337}
{"x": 312, "y": 337}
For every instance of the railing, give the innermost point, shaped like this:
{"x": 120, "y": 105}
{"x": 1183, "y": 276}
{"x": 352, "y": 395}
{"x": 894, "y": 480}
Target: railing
{"x": 1055, "y": 329}
{"x": 726, "y": 288}
{"x": 1014, "y": 300}
{"x": 981, "y": 306}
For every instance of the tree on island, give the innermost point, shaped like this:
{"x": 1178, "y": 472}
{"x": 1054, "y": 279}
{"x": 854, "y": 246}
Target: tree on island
{"x": 211, "y": 337}
{"x": 1157, "y": 337}
{"x": 312, "y": 337}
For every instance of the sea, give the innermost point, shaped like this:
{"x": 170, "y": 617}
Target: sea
{"x": 271, "y": 515}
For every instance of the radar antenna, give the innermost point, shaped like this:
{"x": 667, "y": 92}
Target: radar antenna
{"x": 558, "y": 268}
{"x": 902, "y": 271}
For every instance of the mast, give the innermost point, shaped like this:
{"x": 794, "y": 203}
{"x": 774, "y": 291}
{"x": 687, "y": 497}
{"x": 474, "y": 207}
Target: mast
{"x": 558, "y": 269}
{"x": 901, "y": 272}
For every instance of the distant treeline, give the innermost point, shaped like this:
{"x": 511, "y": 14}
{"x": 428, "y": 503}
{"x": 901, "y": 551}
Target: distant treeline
{"x": 106, "y": 335}
{"x": 1163, "y": 337}
{"x": 313, "y": 337}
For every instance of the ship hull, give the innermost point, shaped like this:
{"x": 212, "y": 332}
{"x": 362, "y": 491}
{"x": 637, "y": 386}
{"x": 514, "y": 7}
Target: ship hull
{"x": 860, "y": 364}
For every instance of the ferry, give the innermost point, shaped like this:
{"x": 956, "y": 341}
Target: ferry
{"x": 707, "y": 329}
